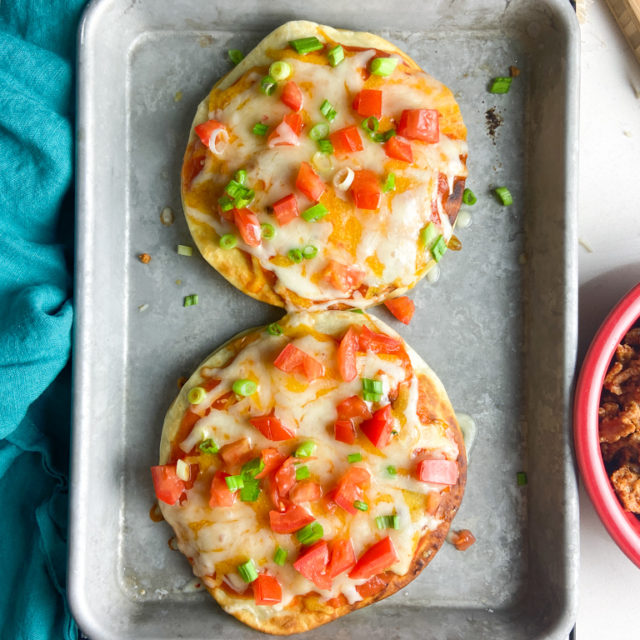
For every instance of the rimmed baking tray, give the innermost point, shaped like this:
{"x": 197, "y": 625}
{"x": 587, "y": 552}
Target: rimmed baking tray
{"x": 499, "y": 327}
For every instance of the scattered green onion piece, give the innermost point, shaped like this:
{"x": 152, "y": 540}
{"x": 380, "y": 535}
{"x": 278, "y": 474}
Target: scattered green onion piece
{"x": 327, "y": 110}
{"x": 235, "y": 55}
{"x": 228, "y": 241}
{"x": 226, "y": 203}
{"x": 185, "y": 250}
{"x": 388, "y": 522}
{"x": 268, "y": 230}
{"x": 375, "y": 386}
{"x": 357, "y": 311}
{"x": 391, "y": 470}
{"x": 316, "y": 212}
{"x": 310, "y": 533}
{"x": 501, "y": 84}
{"x": 468, "y": 197}
{"x": 522, "y": 478}
{"x": 250, "y": 492}
{"x": 394, "y": 521}
{"x": 190, "y": 301}
{"x": 196, "y": 395}
{"x": 305, "y": 449}
{"x": 318, "y": 131}
{"x": 394, "y": 432}
{"x": 309, "y": 252}
{"x": 438, "y": 249}
{"x": 361, "y": 506}
{"x": 383, "y": 66}
{"x": 370, "y": 125}
{"x": 252, "y": 468}
{"x": 247, "y": 571}
{"x": 208, "y": 446}
{"x": 306, "y": 45}
{"x": 280, "y": 70}
{"x": 504, "y": 196}
{"x": 295, "y": 255}
{"x": 280, "y": 556}
{"x": 381, "y": 522}
{"x": 354, "y": 457}
{"x": 234, "y": 482}
{"x": 428, "y": 235}
{"x": 335, "y": 55}
{"x": 388, "y": 134}
{"x": 369, "y": 396}
{"x": 389, "y": 183}
{"x": 233, "y": 189}
{"x": 260, "y": 129}
{"x": 274, "y": 329}
{"x": 240, "y": 176}
{"x": 302, "y": 473}
{"x": 245, "y": 200}
{"x": 267, "y": 85}
{"x": 244, "y": 387}
{"x": 325, "y": 146}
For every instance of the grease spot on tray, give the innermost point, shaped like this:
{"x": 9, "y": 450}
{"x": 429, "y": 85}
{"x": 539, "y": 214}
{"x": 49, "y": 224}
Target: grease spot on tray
{"x": 493, "y": 120}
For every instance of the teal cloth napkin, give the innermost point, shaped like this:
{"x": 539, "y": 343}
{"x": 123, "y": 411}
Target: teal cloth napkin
{"x": 37, "y": 51}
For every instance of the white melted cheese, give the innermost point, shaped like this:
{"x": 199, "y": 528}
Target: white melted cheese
{"x": 212, "y": 537}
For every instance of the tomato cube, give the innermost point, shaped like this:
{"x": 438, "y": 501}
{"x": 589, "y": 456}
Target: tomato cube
{"x": 309, "y": 182}
{"x": 368, "y": 103}
{"x": 346, "y": 140}
{"x": 402, "y": 308}
{"x": 266, "y": 590}
{"x": 366, "y": 190}
{"x": 419, "y": 124}
{"x": 399, "y": 149}
{"x": 248, "y": 226}
{"x": 378, "y": 428}
{"x": 438, "y": 471}
{"x": 292, "y": 96}
{"x": 168, "y": 486}
{"x": 286, "y": 209}
{"x": 376, "y": 559}
{"x": 312, "y": 564}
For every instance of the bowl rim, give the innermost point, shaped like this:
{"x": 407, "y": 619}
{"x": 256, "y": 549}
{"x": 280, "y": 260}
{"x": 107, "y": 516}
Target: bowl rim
{"x": 623, "y": 526}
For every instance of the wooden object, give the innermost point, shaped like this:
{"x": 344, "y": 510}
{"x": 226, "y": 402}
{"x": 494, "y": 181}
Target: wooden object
{"x": 627, "y": 15}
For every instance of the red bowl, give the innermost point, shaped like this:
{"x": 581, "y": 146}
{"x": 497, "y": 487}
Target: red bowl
{"x": 623, "y": 526}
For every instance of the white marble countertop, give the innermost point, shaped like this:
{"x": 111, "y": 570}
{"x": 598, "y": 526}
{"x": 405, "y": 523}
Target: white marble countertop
{"x": 609, "y": 265}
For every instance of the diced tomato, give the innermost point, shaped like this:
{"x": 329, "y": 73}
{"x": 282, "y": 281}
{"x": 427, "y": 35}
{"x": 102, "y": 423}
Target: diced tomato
{"x": 294, "y": 120}
{"x": 285, "y": 477}
{"x": 358, "y": 475}
{"x": 236, "y": 452}
{"x": 378, "y": 428}
{"x": 271, "y": 459}
{"x": 266, "y": 589}
{"x": 312, "y": 564}
{"x": 347, "y": 355}
{"x": 463, "y": 539}
{"x": 350, "y": 487}
{"x": 432, "y": 502}
{"x": 286, "y": 209}
{"x": 375, "y": 559}
{"x": 343, "y": 277}
{"x": 294, "y": 360}
{"x": 293, "y": 519}
{"x": 292, "y": 96}
{"x": 169, "y": 487}
{"x": 249, "y": 226}
{"x": 287, "y": 133}
{"x": 371, "y": 587}
{"x": 204, "y": 130}
{"x": 438, "y": 471}
{"x": 219, "y": 494}
{"x": 419, "y": 124}
{"x": 343, "y": 557}
{"x": 271, "y": 428}
{"x": 398, "y": 148}
{"x": 368, "y": 103}
{"x": 305, "y": 492}
{"x": 345, "y": 431}
{"x": 366, "y": 190}
{"x": 402, "y": 308}
{"x": 309, "y": 182}
{"x": 193, "y": 166}
{"x": 346, "y": 140}
{"x": 373, "y": 342}
{"x": 353, "y": 407}
{"x": 272, "y": 490}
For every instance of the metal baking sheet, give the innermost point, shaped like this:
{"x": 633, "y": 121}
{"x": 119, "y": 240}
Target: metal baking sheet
{"x": 499, "y": 327}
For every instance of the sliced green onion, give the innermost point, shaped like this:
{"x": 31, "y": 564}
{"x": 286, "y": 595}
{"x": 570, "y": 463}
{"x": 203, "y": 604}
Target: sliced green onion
{"x": 260, "y": 129}
{"x": 370, "y": 125}
{"x": 504, "y": 196}
{"x": 228, "y": 241}
{"x": 354, "y": 457}
{"x": 240, "y": 176}
{"x": 501, "y": 84}
{"x": 208, "y": 446}
{"x": 235, "y": 55}
{"x": 226, "y": 203}
{"x": 310, "y": 533}
{"x": 247, "y": 571}
{"x": 185, "y": 250}
{"x": 468, "y": 197}
{"x": 327, "y": 110}
{"x": 295, "y": 255}
{"x": 274, "y": 329}
{"x": 251, "y": 491}
{"x": 267, "y": 85}
{"x": 357, "y": 311}
{"x": 252, "y": 468}
{"x": 320, "y": 130}
{"x": 428, "y": 235}
{"x": 234, "y": 189}
{"x": 267, "y": 230}
{"x": 316, "y": 212}
{"x": 389, "y": 183}
{"x": 388, "y": 522}
{"x": 325, "y": 146}
{"x": 302, "y": 473}
{"x": 370, "y": 396}
{"x": 335, "y": 55}
{"x": 244, "y": 387}
{"x": 280, "y": 556}
{"x": 375, "y": 386}
{"x": 305, "y": 449}
{"x": 280, "y": 70}
{"x": 522, "y": 478}
{"x": 383, "y": 66}
{"x": 438, "y": 249}
{"x": 361, "y": 506}
{"x": 234, "y": 482}
{"x": 306, "y": 45}
{"x": 309, "y": 252}
{"x": 245, "y": 199}
{"x": 190, "y": 301}
{"x": 391, "y": 470}
{"x": 196, "y": 395}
